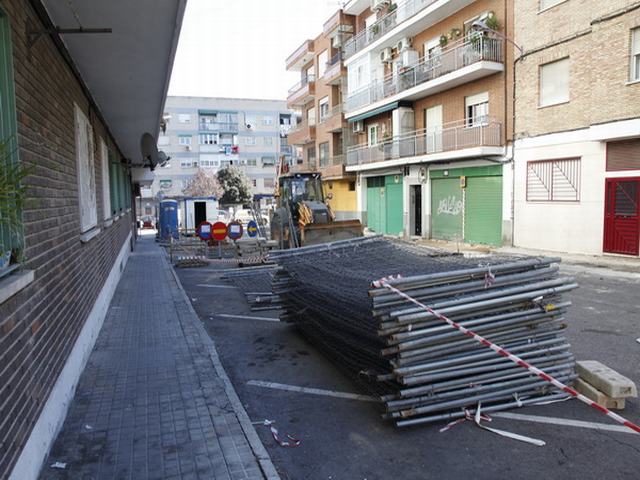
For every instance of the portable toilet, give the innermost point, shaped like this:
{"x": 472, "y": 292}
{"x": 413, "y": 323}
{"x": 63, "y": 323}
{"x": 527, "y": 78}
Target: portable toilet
{"x": 169, "y": 220}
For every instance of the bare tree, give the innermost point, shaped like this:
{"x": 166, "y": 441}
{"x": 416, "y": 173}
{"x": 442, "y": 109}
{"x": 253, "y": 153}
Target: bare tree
{"x": 203, "y": 184}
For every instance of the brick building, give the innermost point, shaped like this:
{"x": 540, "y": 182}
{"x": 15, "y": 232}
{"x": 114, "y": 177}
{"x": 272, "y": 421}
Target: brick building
{"x": 577, "y": 149}
{"x": 429, "y": 100}
{"x": 322, "y": 134}
{"x": 73, "y": 110}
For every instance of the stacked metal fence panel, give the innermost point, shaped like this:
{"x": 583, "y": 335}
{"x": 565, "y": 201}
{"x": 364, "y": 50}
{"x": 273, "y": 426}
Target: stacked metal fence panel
{"x": 422, "y": 369}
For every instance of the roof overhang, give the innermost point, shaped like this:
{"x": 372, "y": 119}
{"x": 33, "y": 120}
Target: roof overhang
{"x": 127, "y": 72}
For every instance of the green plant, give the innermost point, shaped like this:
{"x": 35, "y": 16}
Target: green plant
{"x": 443, "y": 41}
{"x": 236, "y": 187}
{"x": 375, "y": 29}
{"x": 392, "y": 7}
{"x": 492, "y": 22}
{"x": 12, "y": 190}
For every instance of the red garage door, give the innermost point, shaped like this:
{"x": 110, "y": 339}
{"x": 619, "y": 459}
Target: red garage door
{"x": 622, "y": 216}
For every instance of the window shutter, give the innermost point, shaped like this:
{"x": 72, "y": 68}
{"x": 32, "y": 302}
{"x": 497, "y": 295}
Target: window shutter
{"x": 554, "y": 82}
{"x": 86, "y": 171}
{"x": 623, "y": 155}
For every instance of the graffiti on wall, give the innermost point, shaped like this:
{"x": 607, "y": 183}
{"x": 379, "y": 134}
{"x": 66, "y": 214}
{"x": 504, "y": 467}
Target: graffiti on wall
{"x": 450, "y": 206}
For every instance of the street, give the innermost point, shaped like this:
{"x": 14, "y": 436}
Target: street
{"x": 345, "y": 438}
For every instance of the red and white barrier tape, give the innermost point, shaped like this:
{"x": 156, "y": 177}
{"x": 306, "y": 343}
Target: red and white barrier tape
{"x": 515, "y": 359}
{"x": 288, "y": 441}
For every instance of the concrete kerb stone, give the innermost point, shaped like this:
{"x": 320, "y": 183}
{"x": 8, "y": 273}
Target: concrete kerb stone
{"x": 268, "y": 469}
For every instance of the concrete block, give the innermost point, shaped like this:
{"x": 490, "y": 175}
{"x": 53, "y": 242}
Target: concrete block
{"x": 597, "y": 396}
{"x": 606, "y": 380}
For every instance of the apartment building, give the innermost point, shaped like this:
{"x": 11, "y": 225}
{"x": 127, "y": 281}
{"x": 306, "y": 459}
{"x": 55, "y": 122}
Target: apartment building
{"x": 319, "y": 138}
{"x": 212, "y": 133}
{"x": 577, "y": 153}
{"x": 70, "y": 120}
{"x": 429, "y": 101}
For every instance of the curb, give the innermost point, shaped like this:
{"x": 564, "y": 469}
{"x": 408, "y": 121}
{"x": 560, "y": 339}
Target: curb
{"x": 268, "y": 469}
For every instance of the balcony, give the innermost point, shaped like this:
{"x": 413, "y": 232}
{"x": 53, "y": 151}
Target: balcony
{"x": 463, "y": 62}
{"x": 453, "y": 141}
{"x": 286, "y": 150}
{"x": 335, "y": 70}
{"x": 338, "y": 23}
{"x": 303, "y": 133}
{"x": 408, "y": 19}
{"x": 302, "y": 92}
{"x": 219, "y": 127}
{"x": 333, "y": 121}
{"x": 302, "y": 56}
{"x": 335, "y": 169}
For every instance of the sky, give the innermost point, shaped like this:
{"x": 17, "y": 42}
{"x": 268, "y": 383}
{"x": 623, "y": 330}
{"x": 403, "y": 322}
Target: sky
{"x": 238, "y": 48}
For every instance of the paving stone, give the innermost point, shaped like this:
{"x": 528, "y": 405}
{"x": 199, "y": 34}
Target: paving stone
{"x": 150, "y": 392}
{"x": 606, "y": 379}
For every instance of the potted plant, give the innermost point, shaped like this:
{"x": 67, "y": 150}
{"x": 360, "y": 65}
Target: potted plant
{"x": 392, "y": 7}
{"x": 443, "y": 41}
{"x": 375, "y": 29}
{"x": 12, "y": 195}
{"x": 492, "y": 22}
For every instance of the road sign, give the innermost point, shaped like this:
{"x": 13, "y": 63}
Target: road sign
{"x": 234, "y": 230}
{"x": 205, "y": 230}
{"x": 219, "y": 231}
{"x": 252, "y": 228}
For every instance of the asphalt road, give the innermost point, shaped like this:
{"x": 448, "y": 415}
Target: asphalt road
{"x": 344, "y": 439}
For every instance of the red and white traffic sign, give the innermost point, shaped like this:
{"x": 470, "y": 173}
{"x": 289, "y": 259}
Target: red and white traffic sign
{"x": 204, "y": 231}
{"x": 219, "y": 231}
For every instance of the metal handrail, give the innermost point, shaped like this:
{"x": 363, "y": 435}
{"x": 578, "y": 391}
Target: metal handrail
{"x": 218, "y": 127}
{"x": 468, "y": 133}
{"x": 304, "y": 81}
{"x": 403, "y": 11}
{"x": 461, "y": 54}
{"x": 304, "y": 124}
{"x": 336, "y": 110}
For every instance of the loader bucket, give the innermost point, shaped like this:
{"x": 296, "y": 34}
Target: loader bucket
{"x": 315, "y": 233}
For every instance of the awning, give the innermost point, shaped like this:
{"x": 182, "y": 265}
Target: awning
{"x": 373, "y": 113}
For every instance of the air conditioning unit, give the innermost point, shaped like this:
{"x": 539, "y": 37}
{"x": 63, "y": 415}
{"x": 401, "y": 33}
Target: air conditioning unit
{"x": 379, "y": 4}
{"x": 410, "y": 58}
{"x": 358, "y": 127}
{"x": 386, "y": 55}
{"x": 404, "y": 44}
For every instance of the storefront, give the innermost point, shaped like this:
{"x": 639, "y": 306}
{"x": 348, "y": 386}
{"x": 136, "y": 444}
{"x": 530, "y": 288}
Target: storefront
{"x": 384, "y": 204}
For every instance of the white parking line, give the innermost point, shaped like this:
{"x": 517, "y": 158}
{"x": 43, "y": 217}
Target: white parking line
{"x": 215, "y": 286}
{"x": 245, "y": 317}
{"x": 565, "y": 422}
{"x": 312, "y": 391}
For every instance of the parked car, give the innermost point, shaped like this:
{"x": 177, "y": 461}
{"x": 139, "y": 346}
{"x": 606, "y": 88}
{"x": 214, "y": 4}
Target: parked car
{"x": 148, "y": 222}
{"x": 245, "y": 215}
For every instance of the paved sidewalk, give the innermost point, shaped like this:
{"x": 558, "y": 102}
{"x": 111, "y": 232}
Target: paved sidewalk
{"x": 154, "y": 401}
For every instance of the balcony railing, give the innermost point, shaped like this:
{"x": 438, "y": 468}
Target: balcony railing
{"x": 481, "y": 132}
{"x": 336, "y": 110}
{"x": 304, "y": 124}
{"x": 306, "y": 47}
{"x": 460, "y": 55}
{"x": 286, "y": 150}
{"x": 306, "y": 80}
{"x": 219, "y": 127}
{"x": 406, "y": 9}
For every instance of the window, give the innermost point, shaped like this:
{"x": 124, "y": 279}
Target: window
{"x": 251, "y": 121}
{"x": 352, "y": 186}
{"x": 225, "y": 163}
{"x": 184, "y": 118}
{"x": 250, "y": 141}
{"x": 324, "y": 108}
{"x": 164, "y": 140}
{"x": 635, "y": 55}
{"x": 106, "y": 190}
{"x": 373, "y": 134}
{"x": 323, "y": 58}
{"x": 10, "y": 238}
{"x": 554, "y": 83}
{"x": 254, "y": 182}
{"x": 268, "y": 161}
{"x": 267, "y": 120}
{"x": 252, "y": 162}
{"x": 311, "y": 116}
{"x": 311, "y": 155}
{"x": 268, "y": 141}
{"x": 185, "y": 140}
{"x": 477, "y": 109}
{"x": 553, "y": 180}
{"x": 209, "y": 138}
{"x": 86, "y": 171}
{"x": 623, "y": 155}
{"x": 544, "y": 4}
{"x": 269, "y": 183}
{"x": 186, "y": 164}
{"x": 324, "y": 154}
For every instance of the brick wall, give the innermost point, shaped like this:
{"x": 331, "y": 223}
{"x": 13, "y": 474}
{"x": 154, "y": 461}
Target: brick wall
{"x": 39, "y": 325}
{"x": 595, "y": 36}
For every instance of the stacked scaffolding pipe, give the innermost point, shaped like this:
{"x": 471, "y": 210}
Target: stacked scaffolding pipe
{"x": 422, "y": 369}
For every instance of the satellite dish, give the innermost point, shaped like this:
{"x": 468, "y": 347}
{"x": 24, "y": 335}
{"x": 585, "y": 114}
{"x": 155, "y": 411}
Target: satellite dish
{"x": 249, "y": 126}
{"x": 163, "y": 158}
{"x": 149, "y": 149}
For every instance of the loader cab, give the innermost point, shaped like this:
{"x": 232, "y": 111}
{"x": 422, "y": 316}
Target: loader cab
{"x": 301, "y": 187}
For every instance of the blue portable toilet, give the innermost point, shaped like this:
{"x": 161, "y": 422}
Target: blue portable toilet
{"x": 169, "y": 220}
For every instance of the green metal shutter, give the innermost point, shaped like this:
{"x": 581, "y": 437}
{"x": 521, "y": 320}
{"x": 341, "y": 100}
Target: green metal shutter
{"x": 375, "y": 204}
{"x": 393, "y": 193}
{"x": 447, "y": 209}
{"x": 483, "y": 210}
